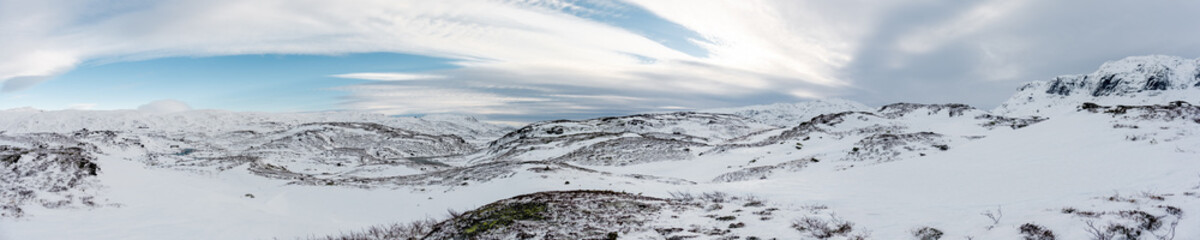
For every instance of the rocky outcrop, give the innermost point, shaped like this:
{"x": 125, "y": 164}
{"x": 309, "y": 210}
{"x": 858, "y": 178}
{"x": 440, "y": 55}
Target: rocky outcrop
{"x": 1177, "y": 110}
{"x": 890, "y": 147}
{"x": 901, "y": 109}
{"x": 49, "y": 174}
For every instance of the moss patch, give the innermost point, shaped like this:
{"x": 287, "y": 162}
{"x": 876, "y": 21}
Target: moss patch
{"x": 492, "y": 217}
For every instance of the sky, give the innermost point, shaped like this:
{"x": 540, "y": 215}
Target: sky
{"x": 529, "y": 60}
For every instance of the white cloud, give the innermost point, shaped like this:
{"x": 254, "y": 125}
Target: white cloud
{"x": 165, "y": 106}
{"x": 21, "y": 83}
{"x": 388, "y": 76}
{"x": 803, "y": 41}
{"x": 674, "y": 108}
{"x": 398, "y": 99}
{"x": 607, "y": 98}
{"x": 968, "y": 22}
{"x": 517, "y": 43}
{"x": 805, "y": 94}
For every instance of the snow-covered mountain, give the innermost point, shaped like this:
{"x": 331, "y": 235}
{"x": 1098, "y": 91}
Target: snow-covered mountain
{"x": 1139, "y": 80}
{"x": 1108, "y": 155}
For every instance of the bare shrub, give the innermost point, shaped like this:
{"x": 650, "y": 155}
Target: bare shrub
{"x": 927, "y": 233}
{"x": 994, "y": 216}
{"x": 1116, "y": 197}
{"x": 1124, "y": 232}
{"x": 737, "y": 225}
{"x": 1145, "y": 220}
{"x": 716, "y": 197}
{"x": 1173, "y": 210}
{"x": 823, "y": 229}
{"x": 1136, "y": 225}
{"x": 753, "y": 202}
{"x": 1169, "y": 234}
{"x": 1032, "y": 231}
{"x": 707, "y": 197}
{"x": 1098, "y": 233}
{"x": 1154, "y": 196}
{"x": 412, "y": 230}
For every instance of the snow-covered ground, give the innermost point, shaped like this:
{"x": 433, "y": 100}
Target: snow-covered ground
{"x": 1076, "y": 170}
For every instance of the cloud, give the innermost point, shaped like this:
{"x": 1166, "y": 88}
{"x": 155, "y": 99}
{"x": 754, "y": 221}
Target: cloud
{"x": 402, "y": 99}
{"x": 971, "y": 20}
{"x": 510, "y": 43}
{"x": 21, "y": 83}
{"x": 565, "y": 58}
{"x": 165, "y": 106}
{"x": 388, "y": 76}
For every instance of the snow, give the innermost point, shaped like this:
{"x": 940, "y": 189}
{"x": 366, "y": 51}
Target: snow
{"x": 1074, "y": 159}
{"x": 1030, "y": 173}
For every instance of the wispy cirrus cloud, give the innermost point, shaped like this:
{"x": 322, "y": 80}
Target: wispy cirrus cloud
{"x": 401, "y": 99}
{"x": 388, "y": 76}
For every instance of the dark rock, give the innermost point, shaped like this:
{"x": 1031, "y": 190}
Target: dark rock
{"x": 1059, "y": 87}
{"x": 1161, "y": 80}
{"x": 1108, "y": 84}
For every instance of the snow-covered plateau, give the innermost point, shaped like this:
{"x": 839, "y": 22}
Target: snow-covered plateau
{"x": 1109, "y": 155}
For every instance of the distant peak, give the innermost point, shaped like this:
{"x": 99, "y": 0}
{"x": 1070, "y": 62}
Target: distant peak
{"x": 1148, "y": 79}
{"x": 1130, "y": 76}
{"x": 1163, "y": 60}
{"x": 449, "y": 117}
{"x": 1147, "y": 64}
{"x": 23, "y": 109}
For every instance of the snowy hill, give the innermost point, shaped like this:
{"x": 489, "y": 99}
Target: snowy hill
{"x": 1107, "y": 155}
{"x": 626, "y": 139}
{"x": 790, "y": 114}
{"x": 26, "y": 120}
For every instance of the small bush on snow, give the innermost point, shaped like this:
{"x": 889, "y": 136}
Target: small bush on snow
{"x": 823, "y": 229}
{"x": 1030, "y": 231}
{"x": 412, "y": 230}
{"x": 927, "y": 233}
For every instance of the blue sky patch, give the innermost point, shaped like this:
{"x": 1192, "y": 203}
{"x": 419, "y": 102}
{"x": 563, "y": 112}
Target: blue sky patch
{"x": 240, "y": 83}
